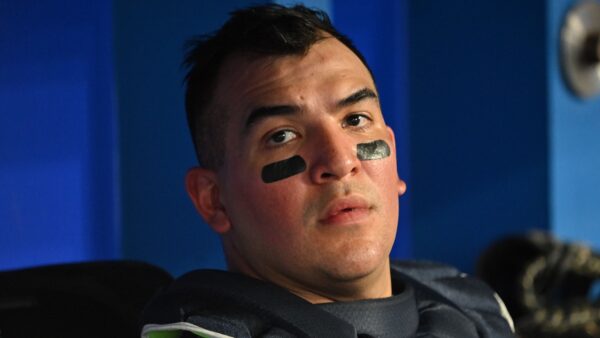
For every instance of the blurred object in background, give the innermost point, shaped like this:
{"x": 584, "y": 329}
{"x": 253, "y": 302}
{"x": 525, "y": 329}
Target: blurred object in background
{"x": 94, "y": 299}
{"x": 580, "y": 49}
{"x": 549, "y": 286}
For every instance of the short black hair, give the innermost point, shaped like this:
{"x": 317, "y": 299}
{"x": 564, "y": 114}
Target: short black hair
{"x": 264, "y": 30}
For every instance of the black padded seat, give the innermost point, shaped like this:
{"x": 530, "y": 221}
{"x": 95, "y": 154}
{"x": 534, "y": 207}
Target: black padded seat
{"x": 92, "y": 299}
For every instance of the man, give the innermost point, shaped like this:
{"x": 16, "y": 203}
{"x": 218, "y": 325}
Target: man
{"x": 298, "y": 176}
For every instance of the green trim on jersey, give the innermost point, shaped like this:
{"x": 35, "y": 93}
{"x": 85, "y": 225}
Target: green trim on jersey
{"x": 174, "y": 330}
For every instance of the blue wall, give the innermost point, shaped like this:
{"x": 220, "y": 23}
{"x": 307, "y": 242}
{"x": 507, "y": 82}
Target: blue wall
{"x": 478, "y": 125}
{"x": 57, "y": 129}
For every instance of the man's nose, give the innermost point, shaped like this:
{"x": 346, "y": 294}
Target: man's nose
{"x": 334, "y": 157}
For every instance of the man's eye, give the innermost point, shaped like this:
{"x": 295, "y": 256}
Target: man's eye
{"x": 281, "y": 137}
{"x": 356, "y": 120}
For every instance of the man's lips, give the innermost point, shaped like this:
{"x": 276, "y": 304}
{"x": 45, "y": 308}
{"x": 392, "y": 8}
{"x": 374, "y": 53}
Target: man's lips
{"x": 346, "y": 210}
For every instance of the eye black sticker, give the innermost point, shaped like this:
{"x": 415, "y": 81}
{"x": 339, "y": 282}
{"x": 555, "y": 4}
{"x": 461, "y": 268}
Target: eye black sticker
{"x": 372, "y": 151}
{"x": 283, "y": 169}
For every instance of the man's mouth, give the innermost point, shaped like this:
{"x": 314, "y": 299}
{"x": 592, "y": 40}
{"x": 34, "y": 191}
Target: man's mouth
{"x": 347, "y": 210}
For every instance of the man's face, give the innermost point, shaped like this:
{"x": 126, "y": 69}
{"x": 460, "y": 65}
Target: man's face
{"x": 333, "y": 220}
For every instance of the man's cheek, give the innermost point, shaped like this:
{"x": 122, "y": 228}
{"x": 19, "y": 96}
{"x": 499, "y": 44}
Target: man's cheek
{"x": 276, "y": 200}
{"x": 384, "y": 174}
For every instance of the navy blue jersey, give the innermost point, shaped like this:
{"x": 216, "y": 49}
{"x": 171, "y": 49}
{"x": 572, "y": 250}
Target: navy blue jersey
{"x": 430, "y": 300}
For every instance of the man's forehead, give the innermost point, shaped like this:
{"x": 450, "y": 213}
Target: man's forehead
{"x": 327, "y": 51}
{"x": 247, "y": 81}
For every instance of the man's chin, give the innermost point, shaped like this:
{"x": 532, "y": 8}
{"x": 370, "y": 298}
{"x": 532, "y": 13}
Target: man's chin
{"x": 357, "y": 266}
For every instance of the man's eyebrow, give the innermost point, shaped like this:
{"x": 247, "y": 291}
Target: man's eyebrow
{"x": 261, "y": 113}
{"x": 361, "y": 94}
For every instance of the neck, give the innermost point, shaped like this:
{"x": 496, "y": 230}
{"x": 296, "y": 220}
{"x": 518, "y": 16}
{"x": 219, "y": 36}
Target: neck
{"x": 378, "y": 284}
{"x": 319, "y": 286}
{"x": 327, "y": 289}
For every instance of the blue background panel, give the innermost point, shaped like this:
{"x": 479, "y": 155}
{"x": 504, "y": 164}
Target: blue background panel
{"x": 478, "y": 125}
{"x": 57, "y": 201}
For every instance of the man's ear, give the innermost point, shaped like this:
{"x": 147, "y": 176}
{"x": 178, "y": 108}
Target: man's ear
{"x": 203, "y": 188}
{"x": 401, "y": 184}
{"x": 392, "y": 138}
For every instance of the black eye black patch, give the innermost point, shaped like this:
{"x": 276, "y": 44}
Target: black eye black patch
{"x": 372, "y": 151}
{"x": 283, "y": 169}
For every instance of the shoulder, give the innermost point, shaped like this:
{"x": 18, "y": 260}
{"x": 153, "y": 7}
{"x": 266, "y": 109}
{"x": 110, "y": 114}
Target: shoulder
{"x": 213, "y": 303}
{"x": 183, "y": 307}
{"x": 437, "y": 284}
